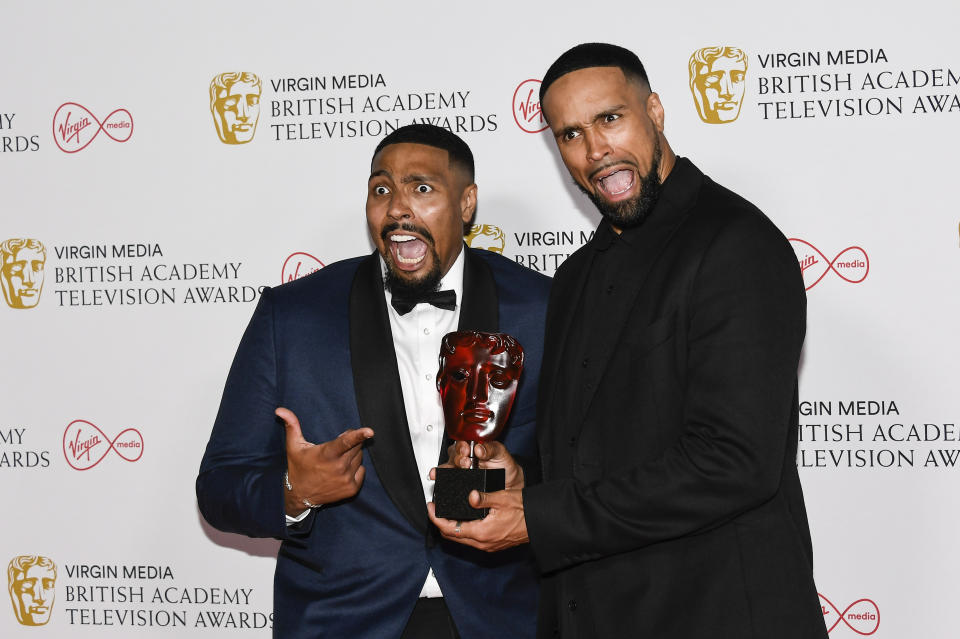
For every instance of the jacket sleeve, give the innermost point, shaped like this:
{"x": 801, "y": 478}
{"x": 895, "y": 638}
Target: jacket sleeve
{"x": 240, "y": 484}
{"x": 744, "y": 323}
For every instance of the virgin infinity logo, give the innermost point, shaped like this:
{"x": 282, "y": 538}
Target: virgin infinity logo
{"x": 851, "y": 264}
{"x": 74, "y": 127}
{"x": 85, "y": 445}
{"x": 862, "y": 616}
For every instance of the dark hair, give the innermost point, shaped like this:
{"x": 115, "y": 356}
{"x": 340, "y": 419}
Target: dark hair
{"x": 434, "y": 136}
{"x": 595, "y": 54}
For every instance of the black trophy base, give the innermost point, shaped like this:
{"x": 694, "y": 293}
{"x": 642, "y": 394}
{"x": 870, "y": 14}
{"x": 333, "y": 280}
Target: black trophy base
{"x": 453, "y": 486}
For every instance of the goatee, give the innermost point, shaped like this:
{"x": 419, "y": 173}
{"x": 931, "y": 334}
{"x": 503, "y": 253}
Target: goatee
{"x": 632, "y": 212}
{"x": 399, "y": 282}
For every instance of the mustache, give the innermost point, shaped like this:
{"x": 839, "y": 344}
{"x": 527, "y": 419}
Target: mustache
{"x": 406, "y": 226}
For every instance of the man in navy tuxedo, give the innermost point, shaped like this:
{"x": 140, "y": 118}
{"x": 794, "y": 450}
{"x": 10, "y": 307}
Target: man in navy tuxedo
{"x": 347, "y": 359}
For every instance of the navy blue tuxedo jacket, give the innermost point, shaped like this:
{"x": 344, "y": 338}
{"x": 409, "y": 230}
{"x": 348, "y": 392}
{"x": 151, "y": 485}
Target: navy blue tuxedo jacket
{"x": 321, "y": 346}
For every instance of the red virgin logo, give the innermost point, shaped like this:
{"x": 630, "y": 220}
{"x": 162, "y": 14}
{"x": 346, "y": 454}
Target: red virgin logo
{"x": 75, "y": 127}
{"x": 526, "y": 107}
{"x": 85, "y": 445}
{"x": 862, "y": 616}
{"x": 851, "y": 264}
{"x": 299, "y": 265}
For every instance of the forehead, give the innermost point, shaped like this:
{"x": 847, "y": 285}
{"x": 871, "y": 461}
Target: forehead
{"x": 239, "y": 88}
{"x": 35, "y": 572}
{"x": 585, "y": 92}
{"x": 408, "y": 158}
{"x": 725, "y": 63}
{"x": 478, "y": 353}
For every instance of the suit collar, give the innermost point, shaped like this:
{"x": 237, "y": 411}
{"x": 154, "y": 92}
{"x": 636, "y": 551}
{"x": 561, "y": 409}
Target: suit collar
{"x": 379, "y": 395}
{"x": 377, "y": 379}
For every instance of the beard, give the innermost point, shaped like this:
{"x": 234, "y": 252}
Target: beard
{"x": 400, "y": 282}
{"x": 630, "y": 213}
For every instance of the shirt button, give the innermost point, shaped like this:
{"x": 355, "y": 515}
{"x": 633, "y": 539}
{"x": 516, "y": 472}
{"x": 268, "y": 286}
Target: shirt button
{"x": 429, "y": 427}
{"x": 427, "y": 376}
{"x": 573, "y": 440}
{"x": 426, "y": 331}
{"x": 572, "y": 605}
{"x": 586, "y": 360}
{"x": 610, "y": 289}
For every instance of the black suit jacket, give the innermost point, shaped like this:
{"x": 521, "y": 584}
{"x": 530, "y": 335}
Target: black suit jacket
{"x": 671, "y": 505}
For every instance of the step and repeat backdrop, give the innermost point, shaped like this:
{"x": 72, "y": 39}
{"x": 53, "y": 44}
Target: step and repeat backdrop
{"x": 162, "y": 164}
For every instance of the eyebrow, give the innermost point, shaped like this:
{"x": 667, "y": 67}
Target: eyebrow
{"x": 406, "y": 179}
{"x": 600, "y": 115}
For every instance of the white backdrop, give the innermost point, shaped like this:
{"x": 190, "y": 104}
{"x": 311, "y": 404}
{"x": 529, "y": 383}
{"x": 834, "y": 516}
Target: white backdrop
{"x": 108, "y": 398}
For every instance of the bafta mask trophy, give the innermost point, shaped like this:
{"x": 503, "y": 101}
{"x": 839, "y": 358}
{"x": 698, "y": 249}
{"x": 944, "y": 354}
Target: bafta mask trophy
{"x": 477, "y": 381}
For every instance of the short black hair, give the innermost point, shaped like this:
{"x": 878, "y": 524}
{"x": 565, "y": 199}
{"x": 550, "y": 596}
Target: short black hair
{"x": 594, "y": 54}
{"x": 435, "y": 136}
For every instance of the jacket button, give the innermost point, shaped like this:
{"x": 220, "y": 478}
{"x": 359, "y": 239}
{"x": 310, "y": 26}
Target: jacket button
{"x": 572, "y": 605}
{"x": 573, "y": 440}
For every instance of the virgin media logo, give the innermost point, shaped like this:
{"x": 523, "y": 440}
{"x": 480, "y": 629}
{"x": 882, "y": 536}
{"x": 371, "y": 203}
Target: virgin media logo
{"x": 862, "y": 616}
{"x": 85, "y": 445}
{"x": 75, "y": 127}
{"x": 851, "y": 264}
{"x": 526, "y": 107}
{"x": 298, "y": 265}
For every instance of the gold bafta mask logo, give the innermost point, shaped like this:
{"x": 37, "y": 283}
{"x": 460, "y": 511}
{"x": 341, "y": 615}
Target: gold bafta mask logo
{"x": 31, "y": 580}
{"x": 21, "y": 271}
{"x": 235, "y": 105}
{"x": 717, "y": 81}
{"x": 486, "y": 236}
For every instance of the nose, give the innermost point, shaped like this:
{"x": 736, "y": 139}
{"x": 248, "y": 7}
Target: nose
{"x": 596, "y": 144}
{"x": 726, "y": 87}
{"x": 242, "y": 109}
{"x": 399, "y": 209}
{"x": 29, "y": 276}
{"x": 478, "y": 387}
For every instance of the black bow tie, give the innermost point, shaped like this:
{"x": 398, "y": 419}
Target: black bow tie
{"x": 446, "y": 300}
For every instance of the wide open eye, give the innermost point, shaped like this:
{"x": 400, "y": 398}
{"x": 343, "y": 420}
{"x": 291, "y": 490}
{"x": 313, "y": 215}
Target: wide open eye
{"x": 424, "y": 188}
{"x": 380, "y": 190}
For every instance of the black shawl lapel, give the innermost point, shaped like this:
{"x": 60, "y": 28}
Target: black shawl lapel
{"x": 376, "y": 379}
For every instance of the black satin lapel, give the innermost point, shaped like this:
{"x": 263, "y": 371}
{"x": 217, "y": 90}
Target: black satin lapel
{"x": 479, "y": 307}
{"x": 380, "y": 396}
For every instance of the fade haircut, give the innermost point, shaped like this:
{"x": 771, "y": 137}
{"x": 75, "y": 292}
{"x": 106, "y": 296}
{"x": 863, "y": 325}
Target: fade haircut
{"x": 595, "y": 54}
{"x": 437, "y": 137}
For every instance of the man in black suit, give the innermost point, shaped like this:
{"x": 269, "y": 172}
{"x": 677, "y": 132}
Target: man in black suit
{"x": 670, "y": 505}
{"x": 347, "y": 358}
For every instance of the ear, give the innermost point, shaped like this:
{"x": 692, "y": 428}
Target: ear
{"x": 655, "y": 111}
{"x": 468, "y": 203}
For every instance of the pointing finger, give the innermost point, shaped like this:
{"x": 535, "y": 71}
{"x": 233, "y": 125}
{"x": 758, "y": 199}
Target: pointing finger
{"x": 351, "y": 439}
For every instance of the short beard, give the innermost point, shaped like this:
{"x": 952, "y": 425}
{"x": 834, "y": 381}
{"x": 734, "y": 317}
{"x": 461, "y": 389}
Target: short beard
{"x": 630, "y": 213}
{"x": 396, "y": 281}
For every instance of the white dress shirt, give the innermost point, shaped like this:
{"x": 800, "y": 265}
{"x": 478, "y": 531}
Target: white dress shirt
{"x": 416, "y": 342}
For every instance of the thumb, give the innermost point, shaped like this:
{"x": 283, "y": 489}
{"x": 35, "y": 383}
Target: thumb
{"x": 478, "y": 499}
{"x": 292, "y": 426}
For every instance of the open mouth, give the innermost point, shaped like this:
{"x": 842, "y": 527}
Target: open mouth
{"x": 616, "y": 184}
{"x": 408, "y": 251}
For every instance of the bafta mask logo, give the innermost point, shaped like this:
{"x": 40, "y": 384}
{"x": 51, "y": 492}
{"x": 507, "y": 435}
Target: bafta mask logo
{"x": 21, "y": 273}
{"x": 31, "y": 580}
{"x": 486, "y": 236}
{"x": 235, "y": 105}
{"x": 717, "y": 81}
